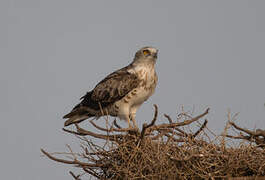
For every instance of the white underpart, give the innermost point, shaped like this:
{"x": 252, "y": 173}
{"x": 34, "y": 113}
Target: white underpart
{"x": 129, "y": 109}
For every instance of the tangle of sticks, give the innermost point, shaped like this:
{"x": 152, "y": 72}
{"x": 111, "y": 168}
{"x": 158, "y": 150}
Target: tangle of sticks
{"x": 177, "y": 149}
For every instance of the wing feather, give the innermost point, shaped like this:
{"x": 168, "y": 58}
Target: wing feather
{"x": 113, "y": 88}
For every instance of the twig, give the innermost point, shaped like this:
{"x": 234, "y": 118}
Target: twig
{"x": 168, "y": 118}
{"x": 242, "y": 129}
{"x": 237, "y": 137}
{"x": 201, "y": 128}
{"x": 184, "y": 134}
{"x": 75, "y": 161}
{"x": 74, "y": 176}
{"x": 111, "y": 129}
{"x": 116, "y": 124}
{"x": 83, "y": 132}
{"x": 260, "y": 132}
{"x": 253, "y": 136}
{"x": 186, "y": 122}
{"x": 93, "y": 173}
{"x": 146, "y": 126}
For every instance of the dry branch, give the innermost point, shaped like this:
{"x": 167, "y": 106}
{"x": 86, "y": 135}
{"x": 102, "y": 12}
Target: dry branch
{"x": 201, "y": 128}
{"x": 165, "y": 151}
{"x": 184, "y": 123}
{"x": 112, "y": 129}
{"x": 74, "y": 176}
{"x": 75, "y": 161}
{"x": 146, "y": 126}
{"x": 257, "y": 136}
{"x": 82, "y": 132}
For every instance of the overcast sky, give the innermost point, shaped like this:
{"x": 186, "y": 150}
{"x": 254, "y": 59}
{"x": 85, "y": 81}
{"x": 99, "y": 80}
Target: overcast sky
{"x": 211, "y": 54}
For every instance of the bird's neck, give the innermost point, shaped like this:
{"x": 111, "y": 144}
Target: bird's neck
{"x": 143, "y": 63}
{"x": 141, "y": 67}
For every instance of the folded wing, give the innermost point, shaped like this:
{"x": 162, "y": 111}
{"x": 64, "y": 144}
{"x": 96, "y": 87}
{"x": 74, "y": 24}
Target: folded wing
{"x": 111, "y": 89}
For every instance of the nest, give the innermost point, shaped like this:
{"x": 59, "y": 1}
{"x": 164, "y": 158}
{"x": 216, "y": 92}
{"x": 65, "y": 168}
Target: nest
{"x": 167, "y": 151}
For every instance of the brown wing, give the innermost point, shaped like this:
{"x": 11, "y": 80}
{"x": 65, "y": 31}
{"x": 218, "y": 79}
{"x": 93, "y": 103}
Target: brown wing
{"x": 115, "y": 86}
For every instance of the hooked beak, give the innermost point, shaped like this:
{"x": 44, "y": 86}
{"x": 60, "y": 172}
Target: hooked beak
{"x": 155, "y": 54}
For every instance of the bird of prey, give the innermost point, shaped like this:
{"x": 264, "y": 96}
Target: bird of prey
{"x": 121, "y": 93}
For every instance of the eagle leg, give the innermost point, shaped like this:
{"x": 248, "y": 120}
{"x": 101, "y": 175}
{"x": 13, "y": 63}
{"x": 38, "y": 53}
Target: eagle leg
{"x": 129, "y": 122}
{"x": 132, "y": 117}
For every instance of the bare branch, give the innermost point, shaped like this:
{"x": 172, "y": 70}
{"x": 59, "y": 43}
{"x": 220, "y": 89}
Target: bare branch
{"x": 82, "y": 132}
{"x": 75, "y": 161}
{"x": 74, "y": 176}
{"x": 253, "y": 136}
{"x": 90, "y": 171}
{"x": 111, "y": 129}
{"x": 165, "y": 151}
{"x": 116, "y": 124}
{"x": 186, "y": 122}
{"x": 242, "y": 129}
{"x": 146, "y": 126}
{"x": 237, "y": 137}
{"x": 201, "y": 128}
{"x": 168, "y": 118}
{"x": 260, "y": 132}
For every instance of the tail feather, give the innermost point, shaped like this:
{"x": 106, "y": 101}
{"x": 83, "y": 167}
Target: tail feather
{"x": 75, "y": 119}
{"x": 72, "y": 113}
{"x": 76, "y": 116}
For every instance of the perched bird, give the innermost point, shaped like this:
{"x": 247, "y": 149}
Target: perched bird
{"x": 121, "y": 93}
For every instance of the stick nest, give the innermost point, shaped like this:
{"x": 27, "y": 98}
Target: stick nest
{"x": 167, "y": 151}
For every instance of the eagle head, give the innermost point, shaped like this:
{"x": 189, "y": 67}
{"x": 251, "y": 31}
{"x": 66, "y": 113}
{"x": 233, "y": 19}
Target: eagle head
{"x": 146, "y": 54}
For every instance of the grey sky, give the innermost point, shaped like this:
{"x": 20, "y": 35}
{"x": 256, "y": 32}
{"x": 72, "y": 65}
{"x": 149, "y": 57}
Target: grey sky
{"x": 211, "y": 54}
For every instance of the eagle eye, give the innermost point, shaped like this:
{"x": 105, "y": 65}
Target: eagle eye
{"x": 146, "y": 52}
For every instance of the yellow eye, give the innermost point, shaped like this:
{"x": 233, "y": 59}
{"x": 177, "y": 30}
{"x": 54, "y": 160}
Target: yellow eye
{"x": 146, "y": 52}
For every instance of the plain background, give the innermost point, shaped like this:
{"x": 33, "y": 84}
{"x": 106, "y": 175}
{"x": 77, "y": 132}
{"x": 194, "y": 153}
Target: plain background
{"x": 211, "y": 54}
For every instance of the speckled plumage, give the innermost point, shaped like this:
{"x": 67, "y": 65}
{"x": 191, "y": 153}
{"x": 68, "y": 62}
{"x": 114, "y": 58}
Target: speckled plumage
{"x": 122, "y": 92}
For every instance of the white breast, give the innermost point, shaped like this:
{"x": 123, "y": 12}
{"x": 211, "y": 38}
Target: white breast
{"x": 146, "y": 87}
{"x": 132, "y": 101}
